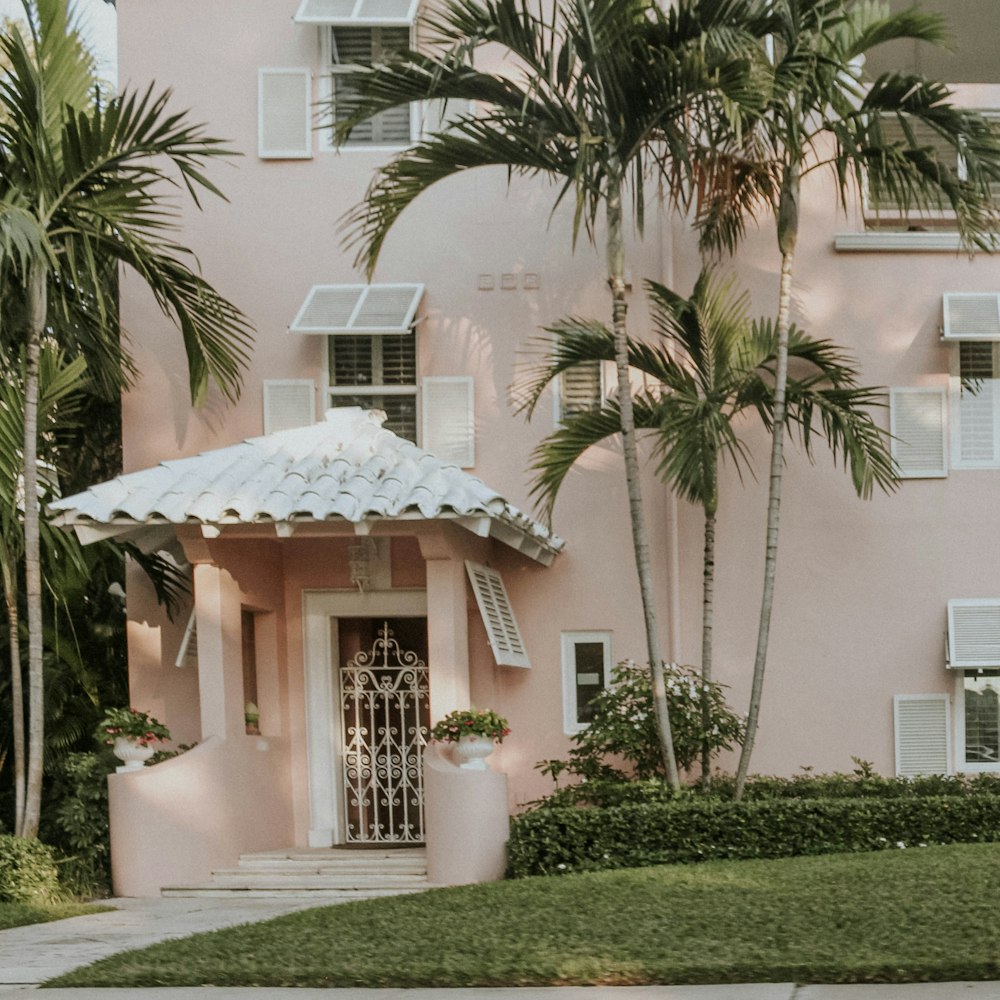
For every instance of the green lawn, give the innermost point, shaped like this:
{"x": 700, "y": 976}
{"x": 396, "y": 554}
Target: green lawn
{"x": 896, "y": 916}
{"x": 19, "y": 914}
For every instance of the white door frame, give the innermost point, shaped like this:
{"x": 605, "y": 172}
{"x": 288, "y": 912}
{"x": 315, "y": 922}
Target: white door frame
{"x": 324, "y": 738}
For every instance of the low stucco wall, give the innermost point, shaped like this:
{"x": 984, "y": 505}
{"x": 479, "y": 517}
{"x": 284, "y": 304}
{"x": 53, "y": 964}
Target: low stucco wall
{"x": 465, "y": 821}
{"x": 173, "y": 823}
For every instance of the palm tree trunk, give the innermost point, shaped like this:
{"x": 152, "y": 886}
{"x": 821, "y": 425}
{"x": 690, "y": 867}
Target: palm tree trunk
{"x": 9, "y": 573}
{"x": 640, "y": 542}
{"x": 32, "y": 559}
{"x": 707, "y": 623}
{"x": 773, "y": 515}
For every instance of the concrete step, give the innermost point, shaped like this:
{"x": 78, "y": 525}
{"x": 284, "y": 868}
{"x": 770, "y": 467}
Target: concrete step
{"x": 209, "y": 891}
{"x": 316, "y": 873}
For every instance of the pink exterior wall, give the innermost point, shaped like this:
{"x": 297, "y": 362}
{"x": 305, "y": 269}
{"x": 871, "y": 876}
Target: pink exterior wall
{"x": 862, "y": 587}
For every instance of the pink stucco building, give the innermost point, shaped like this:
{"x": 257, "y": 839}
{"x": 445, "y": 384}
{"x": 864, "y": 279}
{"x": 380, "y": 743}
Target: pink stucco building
{"x": 312, "y": 534}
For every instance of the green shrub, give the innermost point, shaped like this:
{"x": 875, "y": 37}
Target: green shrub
{"x": 76, "y": 822}
{"x": 619, "y": 790}
{"x": 27, "y": 871}
{"x": 558, "y": 840}
{"x": 622, "y": 728}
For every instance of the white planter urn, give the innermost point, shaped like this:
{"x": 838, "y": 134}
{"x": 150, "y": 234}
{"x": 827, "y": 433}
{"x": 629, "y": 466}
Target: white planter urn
{"x": 472, "y": 750}
{"x": 132, "y": 754}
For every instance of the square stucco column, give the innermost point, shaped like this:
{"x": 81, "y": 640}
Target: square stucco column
{"x": 220, "y": 657}
{"x": 447, "y": 623}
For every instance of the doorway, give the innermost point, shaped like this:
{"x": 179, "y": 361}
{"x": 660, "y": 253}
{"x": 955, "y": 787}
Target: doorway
{"x": 385, "y": 719}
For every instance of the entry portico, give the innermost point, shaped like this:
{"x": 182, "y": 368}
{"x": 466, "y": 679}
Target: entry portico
{"x": 307, "y": 549}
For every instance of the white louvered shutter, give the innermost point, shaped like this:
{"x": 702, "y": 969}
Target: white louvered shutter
{"x": 923, "y": 734}
{"x": 284, "y": 127}
{"x": 971, "y": 316}
{"x": 448, "y": 419}
{"x": 974, "y": 633}
{"x": 917, "y": 424}
{"x": 187, "y": 655}
{"x": 289, "y": 403}
{"x": 579, "y": 389}
{"x": 498, "y": 616}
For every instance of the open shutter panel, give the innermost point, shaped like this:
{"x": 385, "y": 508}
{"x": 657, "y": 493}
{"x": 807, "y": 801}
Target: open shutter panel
{"x": 289, "y": 403}
{"x": 973, "y": 633}
{"x": 498, "y": 616}
{"x": 971, "y": 316}
{"x": 923, "y": 734}
{"x": 187, "y": 655}
{"x": 448, "y": 424}
{"x": 580, "y": 389}
{"x": 284, "y": 128}
{"x": 917, "y": 419}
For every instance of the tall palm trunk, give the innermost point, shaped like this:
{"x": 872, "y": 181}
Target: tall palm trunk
{"x": 9, "y": 573}
{"x": 640, "y": 541}
{"x": 707, "y": 624}
{"x": 32, "y": 558}
{"x": 788, "y": 227}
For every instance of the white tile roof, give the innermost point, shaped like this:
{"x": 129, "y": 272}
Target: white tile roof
{"x": 346, "y": 467}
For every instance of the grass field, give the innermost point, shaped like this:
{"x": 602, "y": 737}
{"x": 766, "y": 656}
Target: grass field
{"x": 894, "y": 916}
{"x": 19, "y": 914}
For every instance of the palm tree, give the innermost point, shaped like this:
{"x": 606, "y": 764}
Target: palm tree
{"x": 82, "y": 191}
{"x": 823, "y": 114}
{"x": 60, "y": 388}
{"x": 603, "y": 90}
{"x": 709, "y": 368}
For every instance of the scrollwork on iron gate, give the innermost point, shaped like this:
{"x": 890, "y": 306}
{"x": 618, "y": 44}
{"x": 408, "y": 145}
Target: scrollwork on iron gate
{"x": 386, "y": 706}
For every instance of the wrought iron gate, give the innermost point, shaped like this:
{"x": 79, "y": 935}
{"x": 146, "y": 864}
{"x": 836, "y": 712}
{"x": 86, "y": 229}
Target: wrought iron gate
{"x": 386, "y": 712}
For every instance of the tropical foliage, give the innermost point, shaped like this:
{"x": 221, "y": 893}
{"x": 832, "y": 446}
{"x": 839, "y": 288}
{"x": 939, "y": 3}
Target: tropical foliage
{"x": 595, "y": 93}
{"x": 709, "y": 368}
{"x": 83, "y": 191}
{"x": 823, "y": 114}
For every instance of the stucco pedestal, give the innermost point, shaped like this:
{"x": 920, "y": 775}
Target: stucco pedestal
{"x": 466, "y": 823}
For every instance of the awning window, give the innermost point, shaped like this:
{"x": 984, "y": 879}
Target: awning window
{"x": 358, "y": 309}
{"x": 357, "y": 11}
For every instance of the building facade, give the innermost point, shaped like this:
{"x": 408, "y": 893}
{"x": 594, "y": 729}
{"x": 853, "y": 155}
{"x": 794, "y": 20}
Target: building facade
{"x": 885, "y": 644}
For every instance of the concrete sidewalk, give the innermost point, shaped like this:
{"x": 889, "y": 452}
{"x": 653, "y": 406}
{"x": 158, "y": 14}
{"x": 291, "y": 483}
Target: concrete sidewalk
{"x": 30, "y": 955}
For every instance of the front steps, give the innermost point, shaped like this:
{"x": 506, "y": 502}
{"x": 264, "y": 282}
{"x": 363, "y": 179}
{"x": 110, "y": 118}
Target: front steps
{"x": 331, "y": 874}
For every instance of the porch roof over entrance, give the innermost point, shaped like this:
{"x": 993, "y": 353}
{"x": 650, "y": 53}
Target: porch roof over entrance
{"x": 347, "y": 468}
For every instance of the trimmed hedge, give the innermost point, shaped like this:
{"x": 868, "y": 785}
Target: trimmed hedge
{"x": 862, "y": 784}
{"x": 557, "y": 841}
{"x": 27, "y": 871}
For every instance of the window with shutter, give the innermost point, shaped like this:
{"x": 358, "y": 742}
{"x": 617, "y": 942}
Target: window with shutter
{"x": 377, "y": 373}
{"x": 448, "y": 419}
{"x": 288, "y": 403}
{"x": 498, "y": 616}
{"x": 586, "y": 670}
{"x": 917, "y": 425}
{"x": 354, "y": 47}
{"x": 883, "y": 206}
{"x": 974, "y": 405}
{"x": 923, "y": 734}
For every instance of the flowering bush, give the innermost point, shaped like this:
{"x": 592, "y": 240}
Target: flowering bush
{"x": 469, "y": 722}
{"x": 623, "y": 726}
{"x": 133, "y": 725}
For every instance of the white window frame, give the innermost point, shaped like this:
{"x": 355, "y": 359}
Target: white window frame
{"x": 571, "y": 706}
{"x": 955, "y": 397}
{"x": 326, "y": 74}
{"x": 958, "y": 728}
